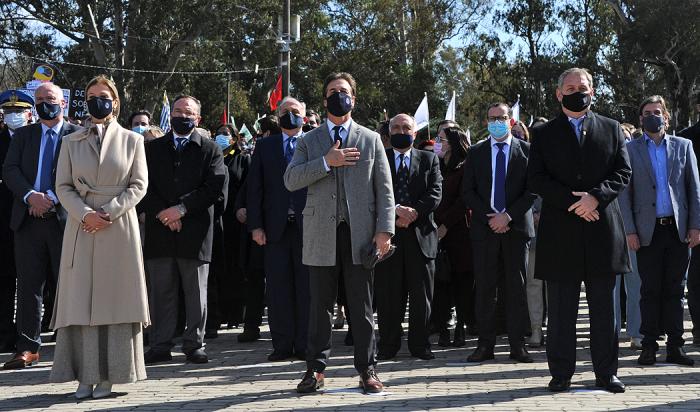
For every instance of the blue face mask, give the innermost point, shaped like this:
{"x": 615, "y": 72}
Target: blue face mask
{"x": 222, "y": 140}
{"x": 139, "y": 129}
{"x": 498, "y": 129}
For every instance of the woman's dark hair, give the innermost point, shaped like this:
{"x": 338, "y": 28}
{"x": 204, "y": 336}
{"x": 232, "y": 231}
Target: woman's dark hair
{"x": 231, "y": 129}
{"x": 459, "y": 144}
{"x": 271, "y": 123}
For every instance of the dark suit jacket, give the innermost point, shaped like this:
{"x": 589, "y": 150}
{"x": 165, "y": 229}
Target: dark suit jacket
{"x": 425, "y": 192}
{"x": 268, "y": 198}
{"x": 568, "y": 247}
{"x": 195, "y": 177}
{"x": 477, "y": 184}
{"x": 7, "y": 252}
{"x": 692, "y": 133}
{"x": 453, "y": 213}
{"x": 21, "y": 166}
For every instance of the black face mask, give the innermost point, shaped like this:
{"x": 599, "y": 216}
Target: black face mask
{"x": 576, "y": 102}
{"x": 182, "y": 125}
{"x": 339, "y": 104}
{"x": 401, "y": 141}
{"x": 653, "y": 124}
{"x": 99, "y": 107}
{"x": 48, "y": 111}
{"x": 291, "y": 121}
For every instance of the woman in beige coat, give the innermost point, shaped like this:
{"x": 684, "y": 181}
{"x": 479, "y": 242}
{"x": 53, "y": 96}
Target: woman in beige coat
{"x": 101, "y": 303}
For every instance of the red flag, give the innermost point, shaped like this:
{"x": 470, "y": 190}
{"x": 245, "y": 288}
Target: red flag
{"x": 276, "y": 94}
{"x": 224, "y": 117}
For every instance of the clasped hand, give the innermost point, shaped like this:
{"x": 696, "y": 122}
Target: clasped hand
{"x": 405, "y": 216}
{"x": 498, "y": 222}
{"x": 170, "y": 217}
{"x": 586, "y": 207}
{"x": 39, "y": 203}
{"x": 96, "y": 221}
{"x": 337, "y": 157}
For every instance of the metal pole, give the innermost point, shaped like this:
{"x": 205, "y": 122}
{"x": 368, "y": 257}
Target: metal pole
{"x": 286, "y": 38}
{"x": 228, "y": 98}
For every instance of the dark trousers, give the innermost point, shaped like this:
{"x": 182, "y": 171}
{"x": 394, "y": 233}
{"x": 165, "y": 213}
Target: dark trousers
{"x": 37, "y": 256}
{"x": 510, "y": 250}
{"x": 662, "y": 267}
{"x": 287, "y": 292}
{"x": 323, "y": 281}
{"x": 406, "y": 269}
{"x": 8, "y": 328}
{"x": 167, "y": 274}
{"x": 563, "y": 301}
{"x": 694, "y": 290}
{"x": 255, "y": 289}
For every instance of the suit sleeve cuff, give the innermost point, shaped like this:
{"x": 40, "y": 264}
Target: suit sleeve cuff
{"x": 27, "y": 196}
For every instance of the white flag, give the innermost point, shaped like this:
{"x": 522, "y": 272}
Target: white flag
{"x": 450, "y": 115}
{"x": 516, "y": 111}
{"x": 422, "y": 116}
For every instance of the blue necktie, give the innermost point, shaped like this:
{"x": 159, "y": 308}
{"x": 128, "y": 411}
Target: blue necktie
{"x": 289, "y": 150}
{"x": 576, "y": 124}
{"x": 181, "y": 143}
{"x": 336, "y": 136}
{"x": 499, "y": 188}
{"x": 47, "y": 162}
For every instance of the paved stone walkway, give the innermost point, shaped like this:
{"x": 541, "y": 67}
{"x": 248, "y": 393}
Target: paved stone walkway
{"x": 239, "y": 377}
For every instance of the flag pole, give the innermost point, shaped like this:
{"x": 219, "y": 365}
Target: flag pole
{"x": 426, "y": 97}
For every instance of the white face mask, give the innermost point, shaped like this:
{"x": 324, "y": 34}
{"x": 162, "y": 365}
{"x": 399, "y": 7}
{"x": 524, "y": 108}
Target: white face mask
{"x": 16, "y": 120}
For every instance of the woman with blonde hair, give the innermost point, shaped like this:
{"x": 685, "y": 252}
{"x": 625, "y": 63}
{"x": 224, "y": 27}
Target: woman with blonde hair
{"x": 101, "y": 302}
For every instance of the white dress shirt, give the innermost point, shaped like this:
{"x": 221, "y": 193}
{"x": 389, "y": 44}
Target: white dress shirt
{"x": 494, "y": 152}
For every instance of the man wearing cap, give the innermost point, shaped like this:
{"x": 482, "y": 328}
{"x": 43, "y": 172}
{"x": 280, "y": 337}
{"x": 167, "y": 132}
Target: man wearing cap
{"x": 37, "y": 218}
{"x": 16, "y": 106}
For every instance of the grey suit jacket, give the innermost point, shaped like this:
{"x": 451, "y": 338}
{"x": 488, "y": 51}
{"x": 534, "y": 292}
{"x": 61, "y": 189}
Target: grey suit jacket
{"x": 368, "y": 191}
{"x": 638, "y": 200}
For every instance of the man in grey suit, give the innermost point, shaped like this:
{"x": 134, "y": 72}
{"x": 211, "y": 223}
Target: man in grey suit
{"x": 661, "y": 213}
{"x": 349, "y": 204}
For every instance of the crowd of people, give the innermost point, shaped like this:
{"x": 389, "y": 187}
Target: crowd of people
{"x": 127, "y": 237}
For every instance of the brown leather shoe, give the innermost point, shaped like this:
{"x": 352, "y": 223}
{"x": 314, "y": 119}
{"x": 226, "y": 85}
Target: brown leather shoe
{"x": 311, "y": 382}
{"x": 370, "y": 383}
{"x": 22, "y": 360}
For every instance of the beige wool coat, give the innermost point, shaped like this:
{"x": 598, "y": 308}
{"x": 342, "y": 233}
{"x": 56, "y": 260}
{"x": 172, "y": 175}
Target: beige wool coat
{"x": 101, "y": 279}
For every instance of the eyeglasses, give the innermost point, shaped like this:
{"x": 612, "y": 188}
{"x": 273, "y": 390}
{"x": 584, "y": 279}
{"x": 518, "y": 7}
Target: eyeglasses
{"x": 496, "y": 118}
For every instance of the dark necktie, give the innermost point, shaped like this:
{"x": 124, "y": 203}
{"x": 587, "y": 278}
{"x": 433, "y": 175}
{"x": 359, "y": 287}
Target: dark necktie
{"x": 402, "y": 197}
{"x": 499, "y": 184}
{"x": 336, "y": 135}
{"x": 47, "y": 162}
{"x": 181, "y": 143}
{"x": 289, "y": 149}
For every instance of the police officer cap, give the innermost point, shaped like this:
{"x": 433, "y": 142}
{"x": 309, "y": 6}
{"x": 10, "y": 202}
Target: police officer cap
{"x": 15, "y": 98}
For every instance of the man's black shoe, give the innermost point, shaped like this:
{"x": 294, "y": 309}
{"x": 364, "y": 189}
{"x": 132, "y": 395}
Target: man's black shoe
{"x": 427, "y": 355}
{"x": 520, "y": 354}
{"x": 311, "y": 382}
{"x": 276, "y": 356}
{"x": 677, "y": 355}
{"x": 481, "y": 354}
{"x": 151, "y": 357}
{"x": 385, "y": 355}
{"x": 248, "y": 335}
{"x": 559, "y": 384}
{"x": 444, "y": 339}
{"x": 197, "y": 356}
{"x": 611, "y": 384}
{"x": 648, "y": 356}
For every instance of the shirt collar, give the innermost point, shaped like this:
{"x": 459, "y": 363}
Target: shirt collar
{"x": 508, "y": 141}
{"x": 56, "y": 129}
{"x": 177, "y": 136}
{"x": 286, "y": 137}
{"x": 577, "y": 120}
{"x": 648, "y": 139}
{"x": 346, "y": 126}
{"x": 397, "y": 153}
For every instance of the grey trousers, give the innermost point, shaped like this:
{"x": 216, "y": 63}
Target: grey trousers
{"x": 166, "y": 275}
{"x": 533, "y": 287}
